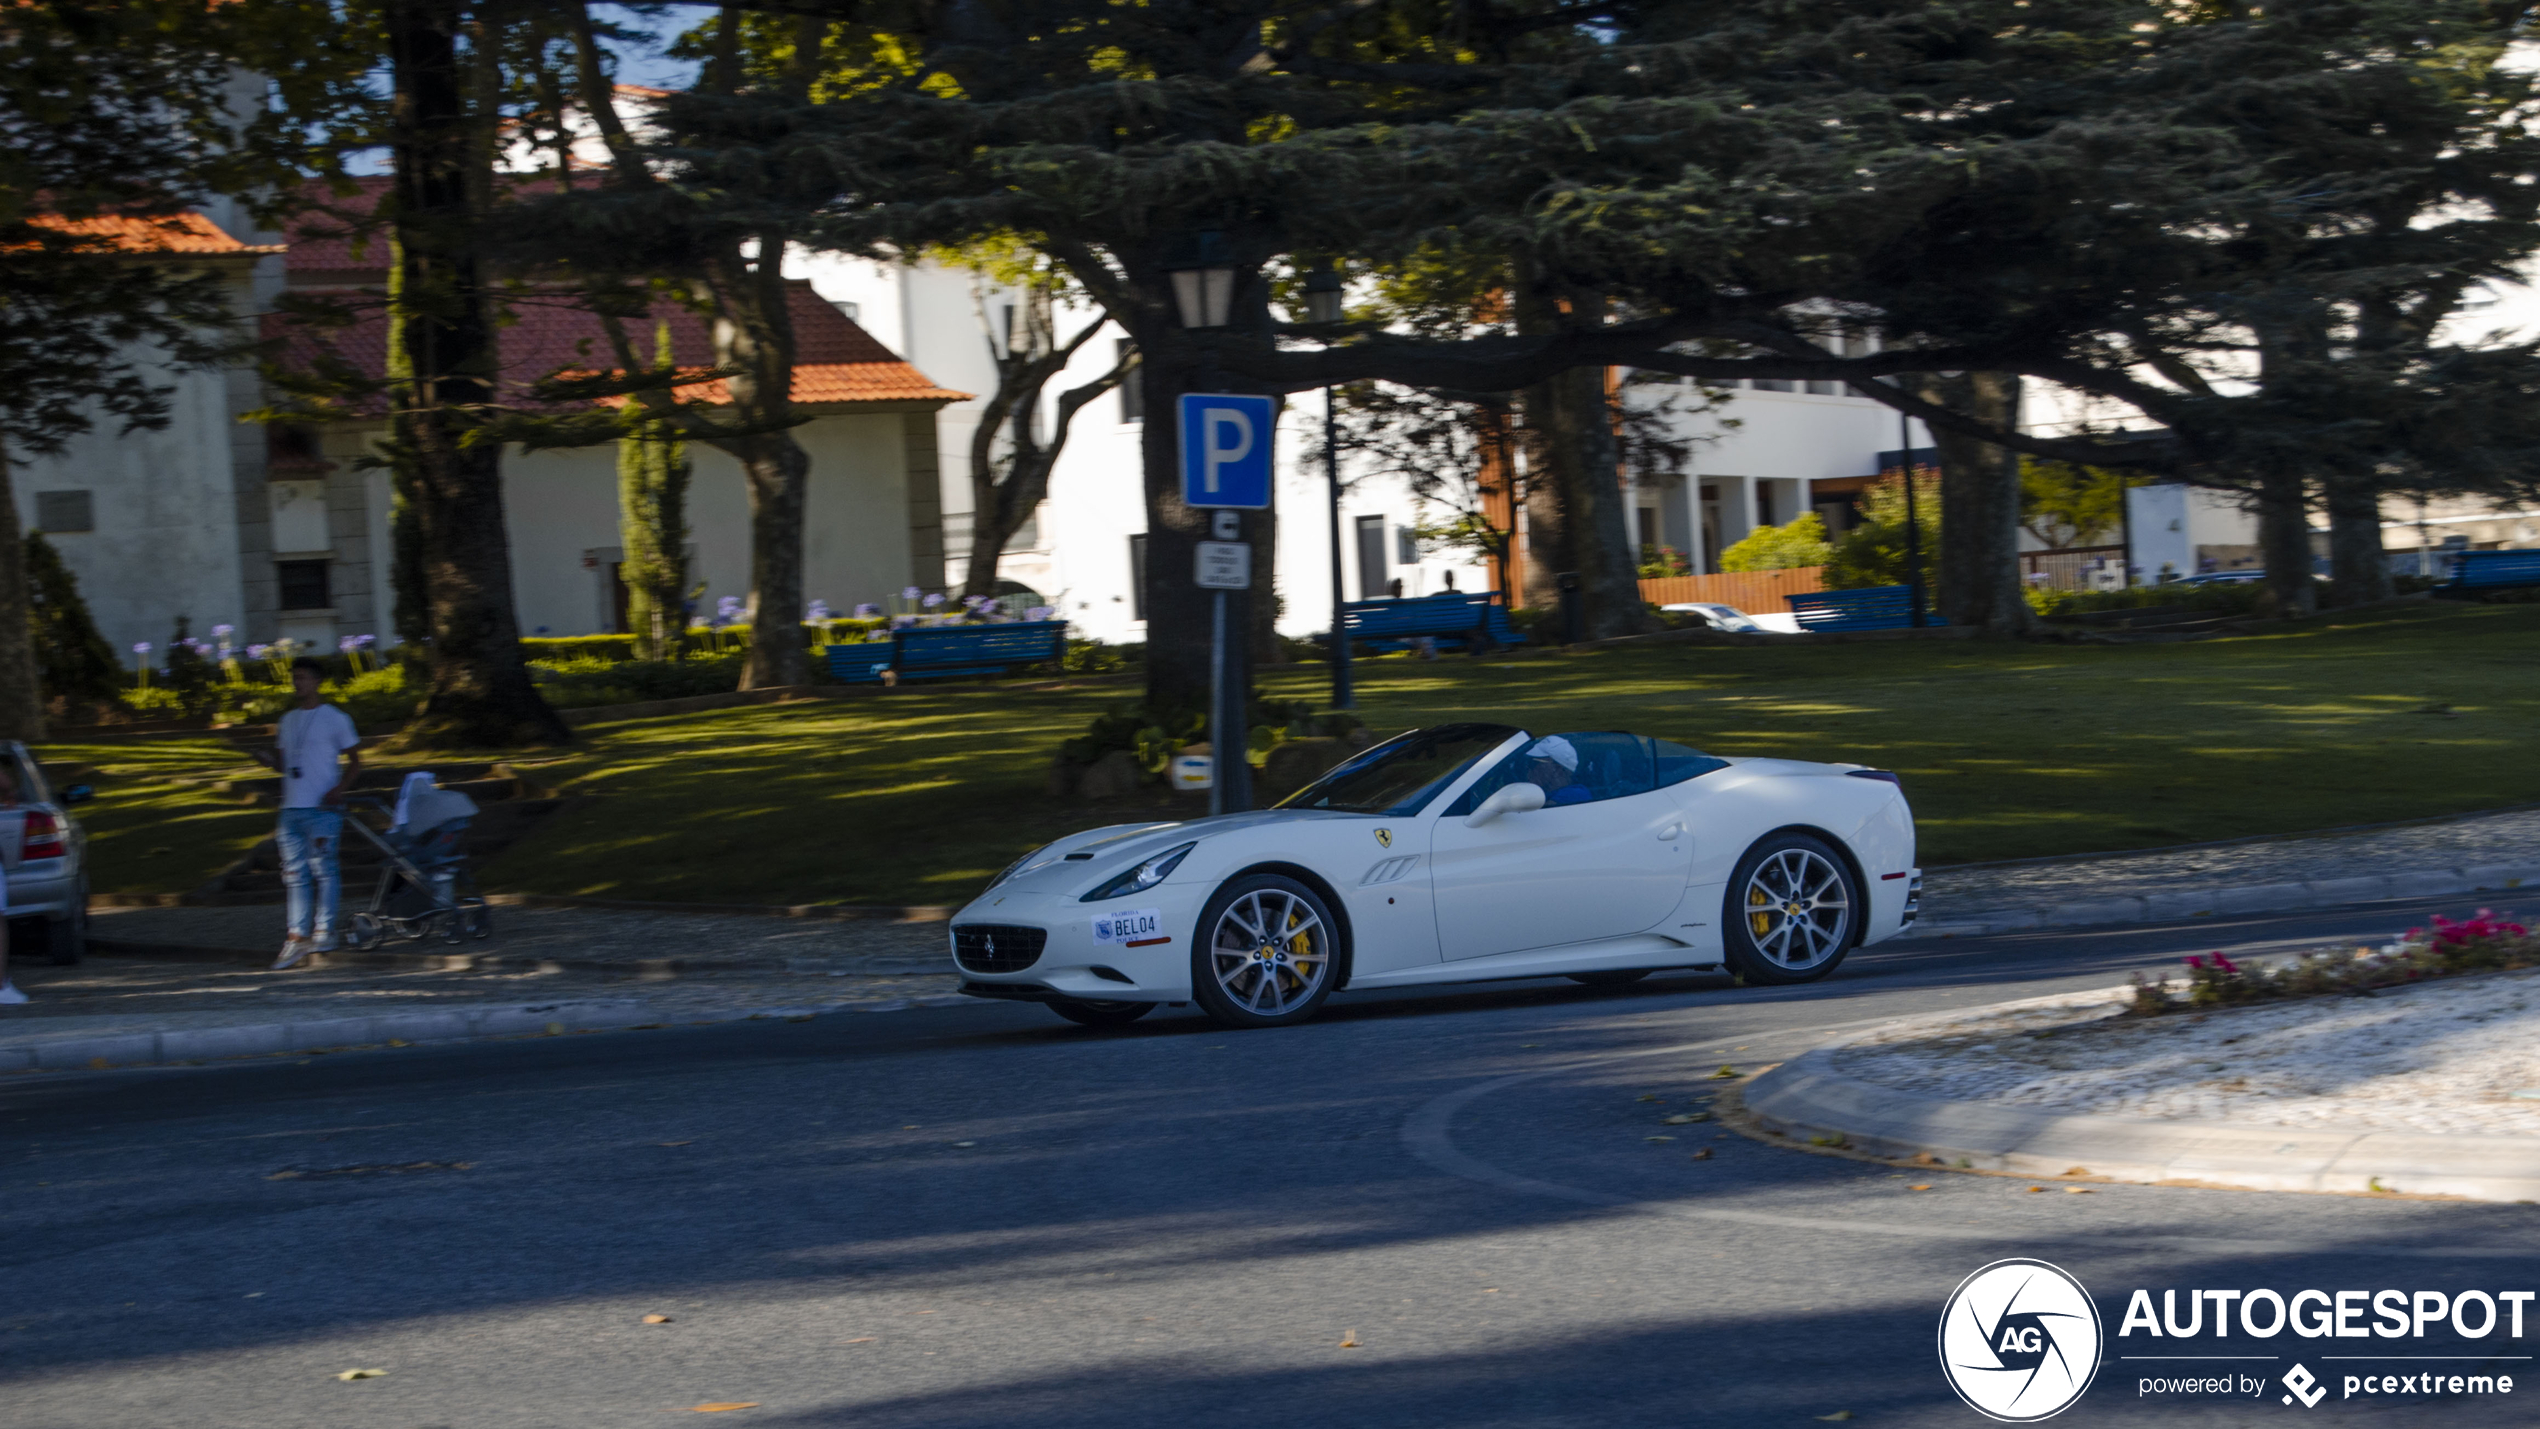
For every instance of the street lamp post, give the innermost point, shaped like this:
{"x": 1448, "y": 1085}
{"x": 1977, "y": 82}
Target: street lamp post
{"x": 1914, "y": 595}
{"x": 1323, "y": 307}
{"x": 1203, "y": 277}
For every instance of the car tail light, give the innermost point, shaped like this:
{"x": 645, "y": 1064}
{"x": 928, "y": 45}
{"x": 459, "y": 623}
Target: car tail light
{"x": 43, "y": 836}
{"x": 1879, "y": 774}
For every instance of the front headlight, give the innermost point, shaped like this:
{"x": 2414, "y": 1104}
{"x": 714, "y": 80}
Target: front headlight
{"x": 1144, "y": 876}
{"x": 1009, "y": 869}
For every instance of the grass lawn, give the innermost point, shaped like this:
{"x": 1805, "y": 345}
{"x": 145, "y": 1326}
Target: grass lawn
{"x": 149, "y": 832}
{"x": 2008, "y": 751}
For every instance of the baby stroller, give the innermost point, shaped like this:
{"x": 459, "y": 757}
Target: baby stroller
{"x": 424, "y": 884}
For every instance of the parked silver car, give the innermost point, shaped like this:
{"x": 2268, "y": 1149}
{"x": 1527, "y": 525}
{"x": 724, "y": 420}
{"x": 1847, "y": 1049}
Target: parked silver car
{"x": 46, "y": 854}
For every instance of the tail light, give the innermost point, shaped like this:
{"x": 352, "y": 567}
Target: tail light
{"x": 1881, "y": 775}
{"x": 43, "y": 836}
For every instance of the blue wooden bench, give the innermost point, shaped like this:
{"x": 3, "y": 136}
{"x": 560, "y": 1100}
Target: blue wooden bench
{"x": 933, "y": 651}
{"x": 1878, "y": 607}
{"x": 2475, "y": 571}
{"x": 1452, "y": 618}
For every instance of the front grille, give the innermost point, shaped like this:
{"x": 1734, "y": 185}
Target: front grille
{"x": 996, "y": 947}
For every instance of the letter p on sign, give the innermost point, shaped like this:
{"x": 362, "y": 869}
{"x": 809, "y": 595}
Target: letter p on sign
{"x": 1226, "y": 449}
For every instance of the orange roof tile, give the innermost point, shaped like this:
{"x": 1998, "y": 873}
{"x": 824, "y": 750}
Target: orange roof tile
{"x": 186, "y": 232}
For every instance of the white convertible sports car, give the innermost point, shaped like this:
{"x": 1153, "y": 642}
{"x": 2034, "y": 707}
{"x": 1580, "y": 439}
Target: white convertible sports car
{"x": 1457, "y": 853}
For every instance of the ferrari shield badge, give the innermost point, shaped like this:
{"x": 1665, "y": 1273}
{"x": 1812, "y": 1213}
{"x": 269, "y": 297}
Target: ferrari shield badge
{"x": 1384, "y": 838}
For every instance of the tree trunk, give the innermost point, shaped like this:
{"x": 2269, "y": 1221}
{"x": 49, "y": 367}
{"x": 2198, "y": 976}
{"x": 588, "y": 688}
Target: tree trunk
{"x": 2358, "y": 571}
{"x": 778, "y": 471}
{"x": 1589, "y": 464}
{"x": 1980, "y": 508}
{"x": 480, "y": 693}
{"x": 2284, "y": 540}
{"x": 21, "y": 684}
{"x": 1178, "y": 613}
{"x": 652, "y": 517}
{"x": 1547, "y": 520}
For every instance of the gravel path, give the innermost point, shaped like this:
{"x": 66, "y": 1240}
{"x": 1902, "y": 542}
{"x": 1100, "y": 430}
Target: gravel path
{"x": 2468, "y": 842}
{"x": 2462, "y": 1055}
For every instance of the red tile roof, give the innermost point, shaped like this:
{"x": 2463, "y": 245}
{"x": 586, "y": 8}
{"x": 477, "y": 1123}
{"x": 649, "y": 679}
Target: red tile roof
{"x": 186, "y": 232}
{"x": 836, "y": 361}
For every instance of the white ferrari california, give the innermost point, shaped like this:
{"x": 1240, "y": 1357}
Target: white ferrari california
{"x": 1456, "y": 853}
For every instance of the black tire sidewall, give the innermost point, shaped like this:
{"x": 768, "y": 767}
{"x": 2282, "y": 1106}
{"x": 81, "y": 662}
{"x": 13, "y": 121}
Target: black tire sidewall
{"x": 1212, "y": 999}
{"x": 1738, "y": 945}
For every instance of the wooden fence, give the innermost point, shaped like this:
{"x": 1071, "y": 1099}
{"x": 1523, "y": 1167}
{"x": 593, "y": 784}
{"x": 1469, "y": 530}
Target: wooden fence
{"x": 1755, "y": 592}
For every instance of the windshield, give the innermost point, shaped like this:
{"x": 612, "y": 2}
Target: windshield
{"x": 1400, "y": 776}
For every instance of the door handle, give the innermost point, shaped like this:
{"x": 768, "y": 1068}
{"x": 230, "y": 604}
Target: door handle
{"x": 1668, "y": 833}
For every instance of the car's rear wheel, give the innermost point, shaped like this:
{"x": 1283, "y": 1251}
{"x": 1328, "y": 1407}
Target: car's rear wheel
{"x": 1100, "y": 1014}
{"x": 66, "y": 937}
{"x": 1792, "y": 913}
{"x": 1267, "y": 955}
{"x": 1611, "y": 977}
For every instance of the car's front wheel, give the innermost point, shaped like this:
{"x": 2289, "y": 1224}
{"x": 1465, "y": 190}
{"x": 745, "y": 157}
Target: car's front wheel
{"x": 1267, "y": 955}
{"x": 1099, "y": 1014}
{"x": 1792, "y": 911}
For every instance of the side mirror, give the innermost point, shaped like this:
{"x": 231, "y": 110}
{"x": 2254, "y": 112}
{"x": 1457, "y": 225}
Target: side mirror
{"x": 1511, "y": 799}
{"x": 78, "y": 794}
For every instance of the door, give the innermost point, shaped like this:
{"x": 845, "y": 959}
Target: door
{"x": 1604, "y": 858}
{"x": 1371, "y": 557}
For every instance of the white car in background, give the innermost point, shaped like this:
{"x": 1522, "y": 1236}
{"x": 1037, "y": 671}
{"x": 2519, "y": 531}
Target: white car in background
{"x": 1457, "y": 853}
{"x": 1730, "y": 619}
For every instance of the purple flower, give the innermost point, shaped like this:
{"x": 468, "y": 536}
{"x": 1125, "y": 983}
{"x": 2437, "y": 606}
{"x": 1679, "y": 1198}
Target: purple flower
{"x": 911, "y": 593}
{"x": 348, "y": 645}
{"x": 867, "y": 610}
{"x": 932, "y": 601}
{"x": 257, "y": 652}
{"x": 819, "y": 611}
{"x": 365, "y": 641}
{"x": 1039, "y": 612}
{"x": 141, "y": 648}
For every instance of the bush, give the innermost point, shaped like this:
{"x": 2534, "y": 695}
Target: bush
{"x": 1874, "y": 552}
{"x": 2483, "y": 943}
{"x": 73, "y": 659}
{"x": 589, "y": 681}
{"x": 1780, "y": 548}
{"x": 1156, "y": 737}
{"x": 2230, "y": 598}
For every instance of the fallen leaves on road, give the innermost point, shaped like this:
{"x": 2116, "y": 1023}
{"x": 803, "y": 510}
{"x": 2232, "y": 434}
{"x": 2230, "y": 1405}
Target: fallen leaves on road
{"x": 1703, "y": 1155}
{"x": 350, "y": 1375}
{"x": 1657, "y": 1138}
{"x": 1835, "y": 1418}
{"x": 1686, "y": 1118}
{"x": 1918, "y": 1188}
{"x": 1646, "y": 1097}
{"x": 2077, "y": 1191}
{"x": 861, "y": 1340}
{"x": 2035, "y": 1189}
{"x": 1349, "y": 1339}
{"x": 723, "y": 1407}
{"x": 656, "y": 1319}
{"x": 399, "y": 1042}
{"x": 1726, "y": 1071}
{"x": 674, "y": 1143}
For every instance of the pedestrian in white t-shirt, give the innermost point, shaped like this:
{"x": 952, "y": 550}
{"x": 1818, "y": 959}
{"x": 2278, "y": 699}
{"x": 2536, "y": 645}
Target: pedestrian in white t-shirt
{"x": 315, "y": 754}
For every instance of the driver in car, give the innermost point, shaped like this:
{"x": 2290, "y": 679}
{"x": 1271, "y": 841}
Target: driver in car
{"x": 1553, "y": 764}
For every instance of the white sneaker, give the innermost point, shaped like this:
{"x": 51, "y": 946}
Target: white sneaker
{"x": 293, "y": 950}
{"x": 325, "y": 943}
{"x": 10, "y": 996}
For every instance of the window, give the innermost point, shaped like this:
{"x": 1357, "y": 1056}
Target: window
{"x": 1824, "y": 389}
{"x": 1133, "y": 396}
{"x": 302, "y": 585}
{"x": 1676, "y": 764}
{"x": 1583, "y": 768}
{"x": 852, "y": 312}
{"x": 60, "y": 511}
{"x": 1371, "y": 557}
{"x": 1772, "y": 384}
{"x": 1138, "y": 576}
{"x": 1399, "y": 777}
{"x": 1406, "y": 547}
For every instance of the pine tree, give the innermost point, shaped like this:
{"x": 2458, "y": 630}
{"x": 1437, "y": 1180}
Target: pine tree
{"x": 75, "y": 661}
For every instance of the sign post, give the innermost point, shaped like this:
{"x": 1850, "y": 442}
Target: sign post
{"x": 1226, "y": 470}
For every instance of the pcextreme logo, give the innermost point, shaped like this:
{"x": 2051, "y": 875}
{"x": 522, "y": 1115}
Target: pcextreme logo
{"x": 2019, "y": 1341}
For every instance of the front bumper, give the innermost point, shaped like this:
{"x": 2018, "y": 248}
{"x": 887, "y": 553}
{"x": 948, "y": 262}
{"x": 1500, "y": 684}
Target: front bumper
{"x": 1073, "y": 960}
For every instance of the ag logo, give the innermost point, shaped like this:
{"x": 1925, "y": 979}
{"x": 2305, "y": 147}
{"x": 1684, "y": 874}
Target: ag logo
{"x": 2019, "y": 1341}
{"x": 1384, "y": 838}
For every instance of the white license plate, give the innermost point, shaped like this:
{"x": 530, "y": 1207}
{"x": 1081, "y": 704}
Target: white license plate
{"x": 1127, "y": 925}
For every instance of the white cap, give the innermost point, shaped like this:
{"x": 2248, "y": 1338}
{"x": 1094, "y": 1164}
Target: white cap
{"x": 1558, "y": 750}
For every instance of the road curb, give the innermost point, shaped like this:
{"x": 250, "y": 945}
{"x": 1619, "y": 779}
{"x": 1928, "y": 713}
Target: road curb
{"x": 619, "y": 969}
{"x": 2213, "y": 902}
{"x": 1806, "y": 1098}
{"x": 102, "y": 1051}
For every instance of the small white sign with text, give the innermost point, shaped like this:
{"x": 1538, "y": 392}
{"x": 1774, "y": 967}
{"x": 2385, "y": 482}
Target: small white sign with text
{"x": 1129, "y": 925}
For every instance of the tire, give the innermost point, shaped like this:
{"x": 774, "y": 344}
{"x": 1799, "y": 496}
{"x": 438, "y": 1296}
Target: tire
{"x": 1265, "y": 954}
{"x": 1611, "y": 977}
{"x": 364, "y": 932}
{"x": 66, "y": 939}
{"x": 1792, "y": 912}
{"x": 1100, "y": 1014}
{"x": 475, "y": 919}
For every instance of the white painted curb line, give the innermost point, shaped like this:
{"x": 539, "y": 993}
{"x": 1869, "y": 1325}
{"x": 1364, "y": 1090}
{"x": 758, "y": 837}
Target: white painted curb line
{"x": 1807, "y": 1098}
{"x": 2239, "y": 898}
{"x": 316, "y": 1034}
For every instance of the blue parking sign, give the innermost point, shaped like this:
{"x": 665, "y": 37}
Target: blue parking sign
{"x": 1226, "y": 449}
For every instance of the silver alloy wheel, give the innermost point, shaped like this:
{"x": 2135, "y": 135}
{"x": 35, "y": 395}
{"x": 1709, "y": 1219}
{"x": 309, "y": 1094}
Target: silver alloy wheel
{"x": 1270, "y": 952}
{"x": 1798, "y": 911}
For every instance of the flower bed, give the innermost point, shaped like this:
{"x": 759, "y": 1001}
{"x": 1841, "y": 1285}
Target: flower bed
{"x": 2484, "y": 943}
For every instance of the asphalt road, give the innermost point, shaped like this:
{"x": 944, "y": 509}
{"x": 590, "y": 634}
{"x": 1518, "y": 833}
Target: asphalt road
{"x": 1166, "y": 1225}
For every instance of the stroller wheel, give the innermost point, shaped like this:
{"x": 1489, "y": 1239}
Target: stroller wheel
{"x": 365, "y": 932}
{"x": 476, "y": 919}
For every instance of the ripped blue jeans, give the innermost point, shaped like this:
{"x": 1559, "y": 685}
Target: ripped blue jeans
{"x": 308, "y": 841}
